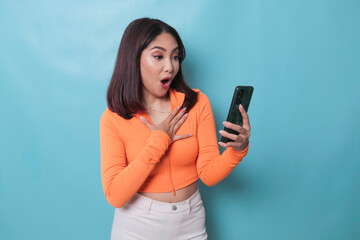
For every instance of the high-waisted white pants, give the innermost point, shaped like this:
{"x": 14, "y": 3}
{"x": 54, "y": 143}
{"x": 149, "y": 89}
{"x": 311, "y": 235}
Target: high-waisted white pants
{"x": 144, "y": 218}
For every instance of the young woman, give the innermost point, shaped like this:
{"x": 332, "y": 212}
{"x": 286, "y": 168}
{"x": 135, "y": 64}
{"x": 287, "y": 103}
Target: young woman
{"x": 158, "y": 138}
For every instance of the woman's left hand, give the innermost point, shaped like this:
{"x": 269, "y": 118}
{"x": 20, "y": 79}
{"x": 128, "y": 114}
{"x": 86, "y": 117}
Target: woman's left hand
{"x": 240, "y": 141}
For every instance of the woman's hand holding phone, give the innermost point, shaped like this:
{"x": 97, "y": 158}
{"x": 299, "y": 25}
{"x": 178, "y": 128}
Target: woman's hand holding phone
{"x": 240, "y": 141}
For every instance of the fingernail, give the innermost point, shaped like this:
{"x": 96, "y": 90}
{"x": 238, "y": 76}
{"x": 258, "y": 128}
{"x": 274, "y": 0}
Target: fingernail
{"x": 221, "y": 131}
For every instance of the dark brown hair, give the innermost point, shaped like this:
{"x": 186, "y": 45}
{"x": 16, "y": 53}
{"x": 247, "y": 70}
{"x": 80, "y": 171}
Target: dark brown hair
{"x": 124, "y": 94}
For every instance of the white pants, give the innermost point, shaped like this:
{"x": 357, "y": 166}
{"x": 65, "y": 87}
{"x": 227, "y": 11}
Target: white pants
{"x": 144, "y": 218}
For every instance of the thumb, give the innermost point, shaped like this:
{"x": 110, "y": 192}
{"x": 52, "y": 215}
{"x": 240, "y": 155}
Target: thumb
{"x": 179, "y": 137}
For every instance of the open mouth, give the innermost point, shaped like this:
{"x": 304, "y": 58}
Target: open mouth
{"x": 165, "y": 83}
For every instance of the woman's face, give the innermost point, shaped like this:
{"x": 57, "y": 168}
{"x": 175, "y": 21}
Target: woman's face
{"x": 159, "y": 64}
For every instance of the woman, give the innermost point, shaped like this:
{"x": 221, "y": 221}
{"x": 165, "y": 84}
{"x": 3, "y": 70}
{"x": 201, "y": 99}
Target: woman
{"x": 158, "y": 138}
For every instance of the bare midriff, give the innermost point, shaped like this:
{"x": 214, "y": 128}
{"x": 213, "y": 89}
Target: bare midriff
{"x": 180, "y": 195}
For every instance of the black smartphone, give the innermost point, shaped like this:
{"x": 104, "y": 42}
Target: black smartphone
{"x": 242, "y": 95}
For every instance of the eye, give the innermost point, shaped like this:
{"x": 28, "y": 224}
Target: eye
{"x": 176, "y": 57}
{"x": 158, "y": 57}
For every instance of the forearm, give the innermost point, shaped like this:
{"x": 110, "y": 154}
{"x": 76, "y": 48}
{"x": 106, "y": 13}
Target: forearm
{"x": 214, "y": 171}
{"x": 127, "y": 182}
{"x": 121, "y": 181}
{"x": 213, "y": 167}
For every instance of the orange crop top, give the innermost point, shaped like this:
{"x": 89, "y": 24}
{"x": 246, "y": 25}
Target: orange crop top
{"x": 134, "y": 159}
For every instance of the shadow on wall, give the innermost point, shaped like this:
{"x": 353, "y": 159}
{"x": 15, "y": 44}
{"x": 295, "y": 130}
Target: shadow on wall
{"x": 211, "y": 196}
{"x": 238, "y": 187}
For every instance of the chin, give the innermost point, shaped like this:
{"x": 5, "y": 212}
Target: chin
{"x": 163, "y": 93}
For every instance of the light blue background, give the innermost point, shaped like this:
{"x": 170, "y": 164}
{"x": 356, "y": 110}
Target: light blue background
{"x": 301, "y": 177}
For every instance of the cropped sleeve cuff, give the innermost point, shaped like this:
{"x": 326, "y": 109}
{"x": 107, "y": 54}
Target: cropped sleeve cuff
{"x": 157, "y": 145}
{"x": 234, "y": 156}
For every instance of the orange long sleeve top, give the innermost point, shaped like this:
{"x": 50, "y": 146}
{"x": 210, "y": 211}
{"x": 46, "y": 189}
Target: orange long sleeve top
{"x": 134, "y": 159}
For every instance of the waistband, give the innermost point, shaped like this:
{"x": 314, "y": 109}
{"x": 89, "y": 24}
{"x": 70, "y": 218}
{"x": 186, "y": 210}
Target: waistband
{"x": 148, "y": 204}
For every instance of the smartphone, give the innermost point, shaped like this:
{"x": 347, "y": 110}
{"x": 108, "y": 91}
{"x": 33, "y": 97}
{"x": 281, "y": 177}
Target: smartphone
{"x": 242, "y": 95}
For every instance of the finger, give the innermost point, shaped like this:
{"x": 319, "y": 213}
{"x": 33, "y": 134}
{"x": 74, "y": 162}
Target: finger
{"x": 228, "y": 135}
{"x": 232, "y": 126}
{"x": 146, "y": 122}
{"x": 229, "y": 144}
{"x": 179, "y": 137}
{"x": 172, "y": 114}
{"x": 180, "y": 122}
{"x": 178, "y": 116}
{"x": 225, "y": 145}
{"x": 245, "y": 116}
{"x": 239, "y": 129}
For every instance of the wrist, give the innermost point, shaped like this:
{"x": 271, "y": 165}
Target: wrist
{"x": 243, "y": 147}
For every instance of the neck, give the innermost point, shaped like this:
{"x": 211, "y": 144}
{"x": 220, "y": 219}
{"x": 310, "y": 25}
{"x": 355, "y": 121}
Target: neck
{"x": 160, "y": 104}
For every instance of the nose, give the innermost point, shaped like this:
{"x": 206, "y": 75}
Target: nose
{"x": 168, "y": 66}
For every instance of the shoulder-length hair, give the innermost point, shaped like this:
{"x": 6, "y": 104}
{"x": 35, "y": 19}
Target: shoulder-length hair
{"x": 124, "y": 94}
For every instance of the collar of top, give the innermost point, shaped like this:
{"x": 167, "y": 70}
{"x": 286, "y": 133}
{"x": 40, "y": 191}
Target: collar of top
{"x": 176, "y": 99}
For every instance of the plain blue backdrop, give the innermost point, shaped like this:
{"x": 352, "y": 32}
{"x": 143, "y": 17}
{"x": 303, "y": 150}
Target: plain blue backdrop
{"x": 301, "y": 177}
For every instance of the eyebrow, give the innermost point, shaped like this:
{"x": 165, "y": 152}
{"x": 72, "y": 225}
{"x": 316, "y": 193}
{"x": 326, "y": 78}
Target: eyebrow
{"x": 163, "y": 49}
